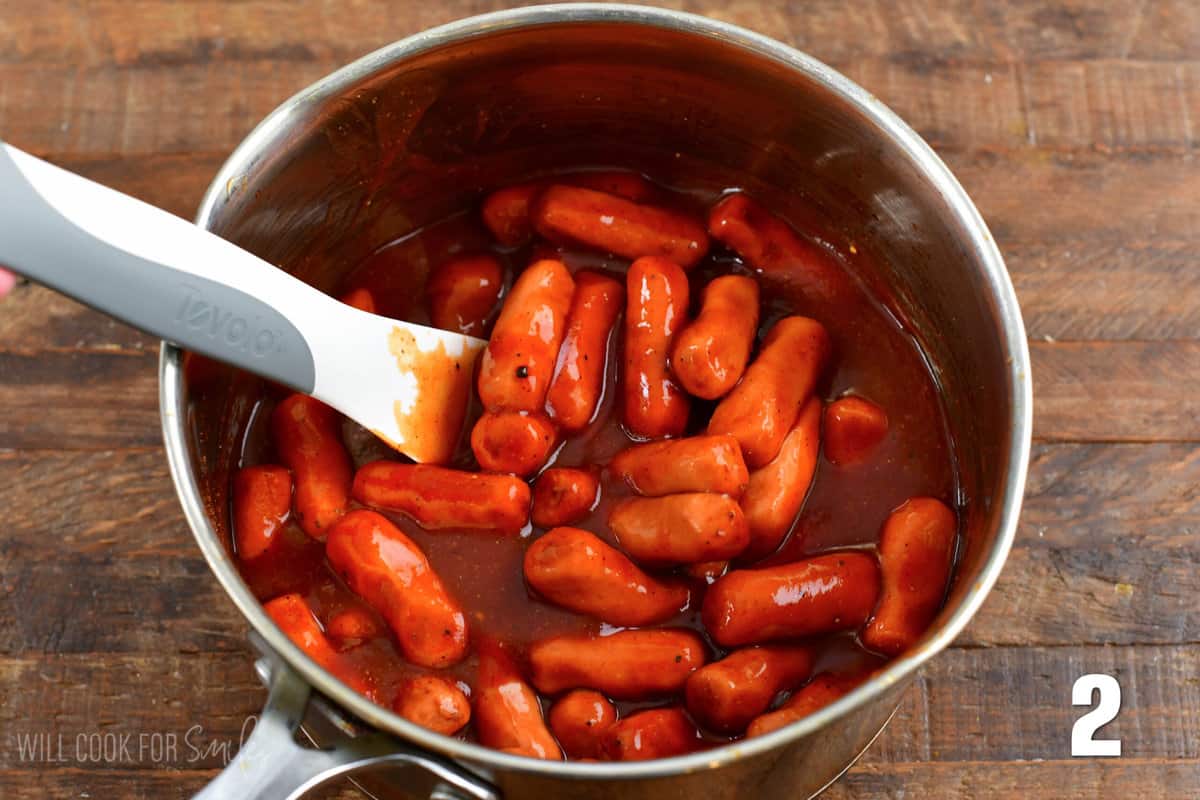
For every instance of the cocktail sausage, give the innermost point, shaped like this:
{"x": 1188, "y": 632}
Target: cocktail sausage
{"x": 628, "y": 665}
{"x": 296, "y": 619}
{"x": 680, "y": 528}
{"x": 822, "y": 594}
{"x": 463, "y": 294}
{"x": 434, "y": 703}
{"x": 563, "y": 496}
{"x": 438, "y": 498}
{"x": 309, "y": 442}
{"x": 777, "y": 490}
{"x": 518, "y": 363}
{"x": 519, "y": 442}
{"x": 694, "y": 464}
{"x": 615, "y": 225}
{"x": 761, "y": 409}
{"x": 262, "y": 502}
{"x": 578, "y": 570}
{"x": 578, "y": 381}
{"x": 820, "y": 692}
{"x": 727, "y": 694}
{"x": 711, "y": 353}
{"x": 654, "y": 733}
{"x": 387, "y": 569}
{"x": 853, "y": 428}
{"x": 508, "y": 715}
{"x": 915, "y": 552}
{"x": 656, "y": 294}
{"x": 579, "y": 721}
{"x": 769, "y": 245}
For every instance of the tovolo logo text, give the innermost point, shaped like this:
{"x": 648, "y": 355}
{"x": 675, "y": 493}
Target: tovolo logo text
{"x": 224, "y": 326}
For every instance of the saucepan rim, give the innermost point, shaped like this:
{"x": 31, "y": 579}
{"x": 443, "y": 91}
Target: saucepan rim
{"x": 925, "y": 161}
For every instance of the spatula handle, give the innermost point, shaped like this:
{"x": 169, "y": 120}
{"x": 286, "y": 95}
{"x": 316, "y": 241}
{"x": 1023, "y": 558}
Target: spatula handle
{"x": 153, "y": 270}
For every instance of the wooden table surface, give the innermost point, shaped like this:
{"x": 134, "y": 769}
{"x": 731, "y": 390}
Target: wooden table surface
{"x": 1073, "y": 125}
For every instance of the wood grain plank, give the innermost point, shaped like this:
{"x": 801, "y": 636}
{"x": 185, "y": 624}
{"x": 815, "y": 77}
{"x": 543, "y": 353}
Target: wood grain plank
{"x": 164, "y": 784}
{"x": 96, "y": 556}
{"x": 1036, "y": 196}
{"x": 1073, "y": 780}
{"x": 79, "y": 400}
{"x": 170, "y": 33}
{"x": 1109, "y": 391}
{"x": 1078, "y": 291}
{"x": 959, "y": 711}
{"x": 142, "y": 110}
{"x": 1091, "y": 286}
{"x": 206, "y": 704}
{"x": 1050, "y": 105}
{"x": 1106, "y": 550}
{"x": 1115, "y": 199}
{"x": 34, "y": 319}
{"x": 147, "y": 108}
{"x": 1093, "y": 291}
{"x": 1116, "y": 391}
{"x": 983, "y": 780}
{"x": 1105, "y": 554}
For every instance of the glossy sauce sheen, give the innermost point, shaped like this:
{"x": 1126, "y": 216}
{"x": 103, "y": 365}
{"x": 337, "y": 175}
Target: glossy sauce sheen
{"x": 482, "y": 571}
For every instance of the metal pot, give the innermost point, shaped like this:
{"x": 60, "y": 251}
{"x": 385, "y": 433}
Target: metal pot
{"x": 413, "y": 131}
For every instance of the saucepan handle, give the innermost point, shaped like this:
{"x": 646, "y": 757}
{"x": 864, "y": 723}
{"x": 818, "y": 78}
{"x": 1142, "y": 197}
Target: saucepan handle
{"x": 271, "y": 765}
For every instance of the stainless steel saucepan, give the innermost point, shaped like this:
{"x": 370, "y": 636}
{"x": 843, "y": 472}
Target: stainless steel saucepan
{"x": 414, "y": 131}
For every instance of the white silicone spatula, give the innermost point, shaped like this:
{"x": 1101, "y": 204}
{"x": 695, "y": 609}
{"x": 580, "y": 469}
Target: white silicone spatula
{"x": 409, "y": 384}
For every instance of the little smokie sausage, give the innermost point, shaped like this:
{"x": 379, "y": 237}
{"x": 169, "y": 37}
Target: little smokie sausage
{"x": 508, "y": 716}
{"x": 387, "y": 569}
{"x": 352, "y": 626}
{"x": 577, "y": 570}
{"x": 438, "y": 498}
{"x": 579, "y": 721}
{"x": 822, "y": 594}
{"x": 706, "y": 571}
{"x": 727, "y": 694}
{"x": 915, "y": 552}
{"x": 654, "y": 733}
{"x": 853, "y": 428}
{"x": 656, "y": 294}
{"x": 680, "y": 528}
{"x": 262, "y": 501}
{"x": 769, "y": 244}
{"x": 434, "y": 703}
{"x": 564, "y": 495}
{"x": 506, "y": 211}
{"x": 761, "y": 409}
{"x": 776, "y": 492}
{"x": 309, "y": 442}
{"x": 615, "y": 225}
{"x": 513, "y": 441}
{"x": 628, "y": 665}
{"x": 519, "y": 360}
{"x": 695, "y": 464}
{"x": 295, "y": 618}
{"x": 711, "y": 353}
{"x": 463, "y": 293}
{"x": 820, "y": 692}
{"x": 579, "y": 372}
{"x": 360, "y": 298}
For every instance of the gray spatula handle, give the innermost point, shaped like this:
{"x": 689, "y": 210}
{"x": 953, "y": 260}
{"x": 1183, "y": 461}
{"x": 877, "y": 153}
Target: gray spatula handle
{"x": 154, "y": 271}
